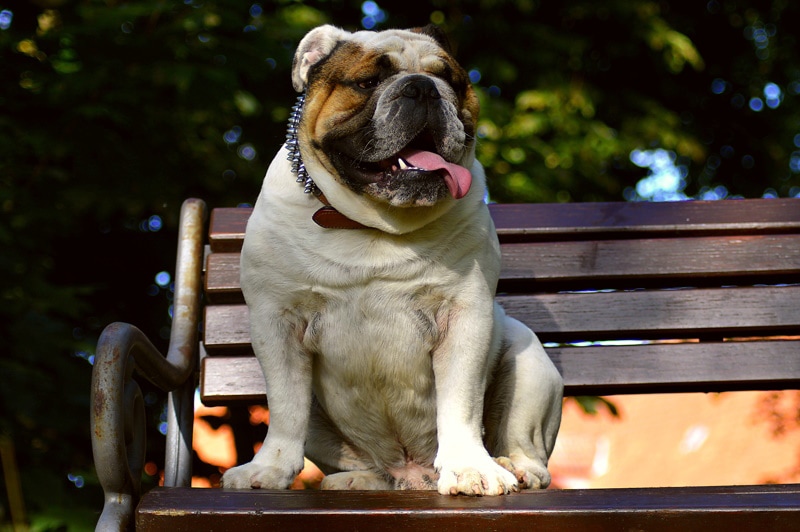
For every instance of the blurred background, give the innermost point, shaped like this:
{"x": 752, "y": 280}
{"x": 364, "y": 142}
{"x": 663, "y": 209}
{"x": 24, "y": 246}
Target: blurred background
{"x": 113, "y": 112}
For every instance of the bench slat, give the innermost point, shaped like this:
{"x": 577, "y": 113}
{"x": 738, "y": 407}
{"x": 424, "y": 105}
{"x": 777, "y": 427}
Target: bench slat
{"x": 647, "y": 314}
{"x": 643, "y": 260}
{"x": 515, "y": 222}
{"x": 774, "y": 507}
{"x": 594, "y": 370}
{"x": 715, "y": 312}
{"x": 606, "y": 264}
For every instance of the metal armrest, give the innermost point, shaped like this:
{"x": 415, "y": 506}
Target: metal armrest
{"x": 117, "y": 408}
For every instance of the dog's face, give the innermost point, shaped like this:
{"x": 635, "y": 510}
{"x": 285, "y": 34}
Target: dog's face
{"x": 390, "y": 115}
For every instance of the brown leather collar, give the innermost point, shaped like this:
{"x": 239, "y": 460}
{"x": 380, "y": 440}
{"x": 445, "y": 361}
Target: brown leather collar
{"x": 329, "y": 218}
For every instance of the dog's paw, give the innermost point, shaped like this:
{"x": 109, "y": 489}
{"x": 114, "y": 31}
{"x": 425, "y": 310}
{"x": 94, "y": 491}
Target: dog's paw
{"x": 480, "y": 477}
{"x": 530, "y": 474}
{"x": 355, "y": 480}
{"x": 255, "y": 476}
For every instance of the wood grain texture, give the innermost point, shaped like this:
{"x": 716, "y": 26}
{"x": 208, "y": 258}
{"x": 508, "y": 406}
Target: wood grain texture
{"x": 622, "y": 315}
{"x": 592, "y": 370}
{"x": 568, "y": 221}
{"x": 654, "y": 509}
{"x": 640, "y": 263}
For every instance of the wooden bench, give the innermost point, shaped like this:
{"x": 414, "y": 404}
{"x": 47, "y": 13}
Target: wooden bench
{"x": 628, "y": 298}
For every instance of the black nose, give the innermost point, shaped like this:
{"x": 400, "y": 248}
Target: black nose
{"x": 420, "y": 88}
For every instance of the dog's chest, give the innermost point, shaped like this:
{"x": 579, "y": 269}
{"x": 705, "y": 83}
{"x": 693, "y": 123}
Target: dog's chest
{"x": 378, "y": 329}
{"x": 373, "y": 371}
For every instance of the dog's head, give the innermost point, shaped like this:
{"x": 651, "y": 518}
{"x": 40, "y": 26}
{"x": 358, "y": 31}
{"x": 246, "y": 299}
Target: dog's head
{"x": 390, "y": 116}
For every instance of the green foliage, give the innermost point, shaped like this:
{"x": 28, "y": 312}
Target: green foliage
{"x": 592, "y": 405}
{"x": 114, "y": 112}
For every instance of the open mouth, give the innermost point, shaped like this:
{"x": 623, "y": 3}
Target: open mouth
{"x": 411, "y": 162}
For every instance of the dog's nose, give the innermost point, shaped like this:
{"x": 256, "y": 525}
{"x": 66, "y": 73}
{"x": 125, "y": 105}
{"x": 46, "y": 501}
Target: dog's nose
{"x": 420, "y": 88}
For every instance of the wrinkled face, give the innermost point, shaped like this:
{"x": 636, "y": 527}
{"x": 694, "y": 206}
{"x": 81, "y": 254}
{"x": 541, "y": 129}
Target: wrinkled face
{"x": 391, "y": 115}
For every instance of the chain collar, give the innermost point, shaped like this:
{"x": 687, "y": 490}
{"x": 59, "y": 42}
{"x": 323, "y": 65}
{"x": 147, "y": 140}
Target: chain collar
{"x": 293, "y": 145}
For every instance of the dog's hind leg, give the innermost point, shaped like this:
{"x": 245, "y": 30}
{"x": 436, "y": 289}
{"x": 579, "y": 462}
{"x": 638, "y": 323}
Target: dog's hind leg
{"x": 522, "y": 412}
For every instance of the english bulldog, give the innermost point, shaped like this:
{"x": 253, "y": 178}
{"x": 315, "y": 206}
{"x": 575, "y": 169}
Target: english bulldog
{"x": 370, "y": 285}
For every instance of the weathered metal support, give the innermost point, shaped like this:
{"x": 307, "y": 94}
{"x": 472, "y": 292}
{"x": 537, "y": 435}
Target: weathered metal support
{"x": 117, "y": 413}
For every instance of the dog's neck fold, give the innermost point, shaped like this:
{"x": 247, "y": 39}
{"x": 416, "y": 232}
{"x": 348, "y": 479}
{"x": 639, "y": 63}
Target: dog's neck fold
{"x": 327, "y": 216}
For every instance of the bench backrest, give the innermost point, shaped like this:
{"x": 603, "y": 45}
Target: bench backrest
{"x": 627, "y": 297}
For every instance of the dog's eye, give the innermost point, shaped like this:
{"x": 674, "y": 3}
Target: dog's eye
{"x": 369, "y": 83}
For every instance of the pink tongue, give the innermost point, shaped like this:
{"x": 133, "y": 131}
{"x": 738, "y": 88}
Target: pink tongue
{"x": 457, "y": 177}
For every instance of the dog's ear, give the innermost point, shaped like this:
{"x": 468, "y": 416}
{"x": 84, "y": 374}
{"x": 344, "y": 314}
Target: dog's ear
{"x": 437, "y": 34}
{"x": 315, "y": 46}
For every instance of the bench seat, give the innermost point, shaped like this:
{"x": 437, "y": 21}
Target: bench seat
{"x": 652, "y": 509}
{"x": 627, "y": 298}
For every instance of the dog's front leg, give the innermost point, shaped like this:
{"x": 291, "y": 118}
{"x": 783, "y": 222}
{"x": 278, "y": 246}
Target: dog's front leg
{"x": 287, "y": 370}
{"x": 460, "y": 367}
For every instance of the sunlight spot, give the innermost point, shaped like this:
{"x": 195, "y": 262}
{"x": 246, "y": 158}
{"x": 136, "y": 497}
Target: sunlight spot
{"x": 602, "y": 454}
{"x": 665, "y": 181}
{"x": 694, "y": 438}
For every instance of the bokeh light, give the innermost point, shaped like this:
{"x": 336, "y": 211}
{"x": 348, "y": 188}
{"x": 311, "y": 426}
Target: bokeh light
{"x": 233, "y": 135}
{"x": 154, "y": 223}
{"x": 756, "y": 104}
{"x": 247, "y": 152}
{"x": 718, "y": 86}
{"x": 373, "y": 15}
{"x": 6, "y": 16}
{"x": 665, "y": 181}
{"x": 773, "y": 95}
{"x": 163, "y": 279}
{"x": 78, "y": 480}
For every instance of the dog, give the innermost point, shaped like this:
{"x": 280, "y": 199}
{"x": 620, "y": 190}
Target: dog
{"x": 370, "y": 285}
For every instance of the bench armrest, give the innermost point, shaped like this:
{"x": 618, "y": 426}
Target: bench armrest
{"x": 117, "y": 409}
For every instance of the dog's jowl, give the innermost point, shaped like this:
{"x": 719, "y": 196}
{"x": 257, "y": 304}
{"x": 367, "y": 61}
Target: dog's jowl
{"x": 371, "y": 283}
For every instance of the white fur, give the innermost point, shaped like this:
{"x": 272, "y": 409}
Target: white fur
{"x": 396, "y": 333}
